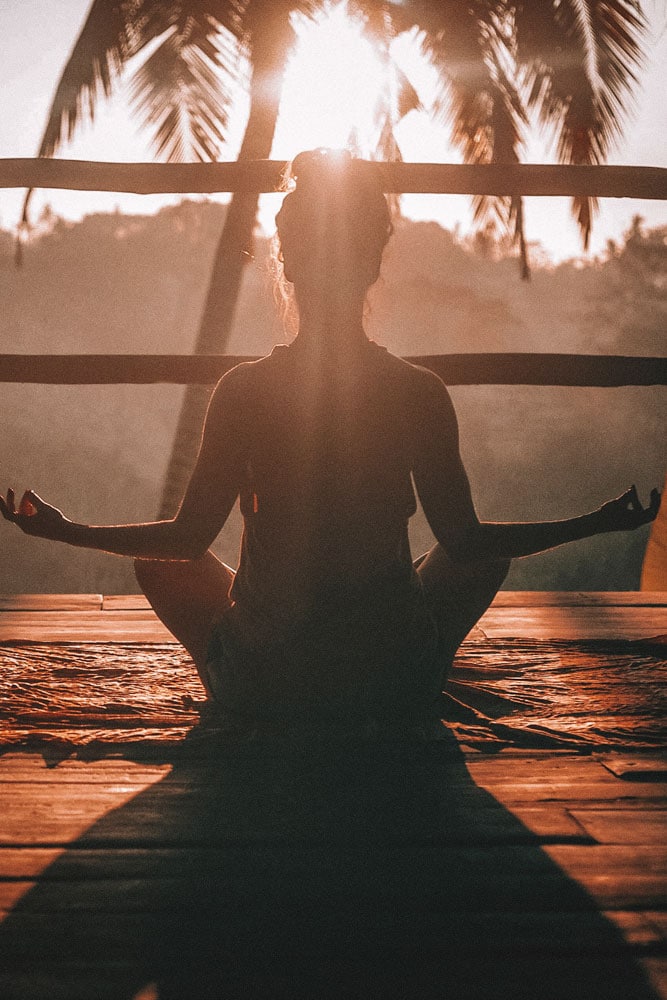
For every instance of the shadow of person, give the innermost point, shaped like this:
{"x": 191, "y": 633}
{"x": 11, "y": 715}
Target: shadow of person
{"x": 319, "y": 870}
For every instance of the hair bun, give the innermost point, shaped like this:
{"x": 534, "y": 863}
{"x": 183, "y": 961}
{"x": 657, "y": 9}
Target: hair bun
{"x": 320, "y": 163}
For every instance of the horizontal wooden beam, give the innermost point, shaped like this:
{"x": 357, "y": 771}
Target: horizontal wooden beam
{"x": 264, "y": 175}
{"x": 454, "y": 369}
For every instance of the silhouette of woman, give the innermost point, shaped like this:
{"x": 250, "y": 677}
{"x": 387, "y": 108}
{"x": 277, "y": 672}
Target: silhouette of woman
{"x": 325, "y": 442}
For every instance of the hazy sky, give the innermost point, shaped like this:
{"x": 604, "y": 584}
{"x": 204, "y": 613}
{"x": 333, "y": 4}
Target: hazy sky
{"x": 36, "y": 37}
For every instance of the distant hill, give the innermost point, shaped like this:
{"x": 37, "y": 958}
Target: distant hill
{"x": 114, "y": 283}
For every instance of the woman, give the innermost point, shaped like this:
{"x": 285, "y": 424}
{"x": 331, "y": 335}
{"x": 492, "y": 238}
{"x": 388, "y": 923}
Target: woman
{"x": 327, "y": 616}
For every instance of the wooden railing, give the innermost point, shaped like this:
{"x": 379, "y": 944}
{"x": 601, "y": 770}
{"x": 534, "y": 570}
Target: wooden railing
{"x": 264, "y": 175}
{"x": 454, "y": 369}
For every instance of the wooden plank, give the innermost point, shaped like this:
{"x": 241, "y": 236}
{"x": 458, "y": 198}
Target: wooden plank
{"x": 50, "y": 602}
{"x": 639, "y": 930}
{"x": 125, "y": 602}
{"x": 575, "y": 598}
{"x": 538, "y": 770}
{"x": 428, "y": 934}
{"x": 540, "y": 790}
{"x": 135, "y": 633}
{"x": 504, "y": 599}
{"x": 131, "y": 619}
{"x": 39, "y": 817}
{"x": 656, "y": 973}
{"x": 534, "y": 179}
{"x": 498, "y": 865}
{"x": 616, "y": 876}
{"x": 396, "y": 974}
{"x": 622, "y": 826}
{"x": 575, "y": 623}
{"x": 31, "y": 768}
{"x": 625, "y": 860}
{"x": 248, "y": 803}
{"x": 413, "y": 879}
{"x": 575, "y": 370}
{"x": 82, "y": 626}
{"x": 551, "y": 823}
{"x": 643, "y": 767}
{"x": 644, "y": 598}
{"x": 659, "y": 919}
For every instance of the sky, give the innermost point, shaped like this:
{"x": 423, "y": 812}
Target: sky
{"x": 330, "y": 73}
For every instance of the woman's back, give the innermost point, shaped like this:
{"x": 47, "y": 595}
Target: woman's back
{"x": 327, "y": 493}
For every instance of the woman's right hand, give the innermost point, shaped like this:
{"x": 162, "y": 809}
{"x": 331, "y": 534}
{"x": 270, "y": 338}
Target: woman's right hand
{"x": 625, "y": 513}
{"x": 33, "y": 515}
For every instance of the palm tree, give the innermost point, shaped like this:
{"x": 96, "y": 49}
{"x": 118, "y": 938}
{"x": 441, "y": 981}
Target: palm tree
{"x": 572, "y": 63}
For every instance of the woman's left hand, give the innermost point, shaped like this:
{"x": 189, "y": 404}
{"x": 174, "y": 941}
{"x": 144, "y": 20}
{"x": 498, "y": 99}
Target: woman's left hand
{"x": 33, "y": 515}
{"x": 626, "y": 513}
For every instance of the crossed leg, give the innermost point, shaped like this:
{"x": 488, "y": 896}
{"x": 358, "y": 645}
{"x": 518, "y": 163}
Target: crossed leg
{"x": 189, "y": 598}
{"x": 458, "y": 594}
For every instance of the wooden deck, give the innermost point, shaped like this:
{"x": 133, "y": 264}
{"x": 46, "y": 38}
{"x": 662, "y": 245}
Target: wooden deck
{"x": 392, "y": 870}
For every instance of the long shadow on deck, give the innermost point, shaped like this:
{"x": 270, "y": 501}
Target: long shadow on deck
{"x": 375, "y": 872}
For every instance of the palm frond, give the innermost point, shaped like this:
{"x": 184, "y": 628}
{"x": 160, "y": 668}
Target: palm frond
{"x": 107, "y": 39}
{"x": 114, "y": 32}
{"x": 184, "y": 89}
{"x": 580, "y": 60}
{"x": 478, "y": 98}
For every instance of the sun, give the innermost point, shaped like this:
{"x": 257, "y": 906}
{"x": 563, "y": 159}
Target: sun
{"x": 330, "y": 93}
{"x": 332, "y": 85}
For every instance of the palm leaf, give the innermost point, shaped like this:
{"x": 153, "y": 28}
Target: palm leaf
{"x": 580, "y": 59}
{"x": 478, "y": 98}
{"x": 108, "y": 38}
{"x": 106, "y": 41}
{"x": 115, "y": 31}
{"x": 184, "y": 89}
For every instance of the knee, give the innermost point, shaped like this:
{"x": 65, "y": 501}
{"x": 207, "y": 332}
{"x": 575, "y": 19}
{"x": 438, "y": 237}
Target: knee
{"x": 498, "y": 569}
{"x": 488, "y": 571}
{"x": 149, "y": 571}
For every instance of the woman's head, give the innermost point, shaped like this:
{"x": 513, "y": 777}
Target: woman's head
{"x": 333, "y": 224}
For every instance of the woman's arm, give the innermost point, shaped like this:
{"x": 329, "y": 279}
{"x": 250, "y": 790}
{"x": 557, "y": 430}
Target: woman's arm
{"x": 624, "y": 513}
{"x": 208, "y": 500}
{"x": 444, "y": 491}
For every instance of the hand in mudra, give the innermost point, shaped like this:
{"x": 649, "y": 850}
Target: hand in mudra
{"x": 33, "y": 515}
{"x": 626, "y": 513}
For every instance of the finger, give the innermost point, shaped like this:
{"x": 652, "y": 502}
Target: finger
{"x": 10, "y": 500}
{"x": 35, "y": 499}
{"x": 633, "y": 498}
{"x": 27, "y": 507}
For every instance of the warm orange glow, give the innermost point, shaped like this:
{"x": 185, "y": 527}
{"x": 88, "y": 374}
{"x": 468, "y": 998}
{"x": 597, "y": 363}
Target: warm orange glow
{"x": 331, "y": 88}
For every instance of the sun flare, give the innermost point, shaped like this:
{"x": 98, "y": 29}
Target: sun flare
{"x": 330, "y": 95}
{"x": 331, "y": 89}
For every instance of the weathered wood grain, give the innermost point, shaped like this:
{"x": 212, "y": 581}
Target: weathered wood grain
{"x": 504, "y": 598}
{"x": 620, "y": 826}
{"x": 126, "y": 618}
{"x": 50, "y": 602}
{"x": 602, "y": 181}
{"x": 494, "y": 874}
{"x": 125, "y": 602}
{"x": 576, "y": 598}
{"x": 82, "y": 626}
{"x": 575, "y": 622}
{"x": 643, "y": 767}
{"x": 520, "y": 368}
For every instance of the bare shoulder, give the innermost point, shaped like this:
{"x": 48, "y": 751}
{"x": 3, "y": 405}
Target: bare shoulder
{"x": 429, "y": 392}
{"x": 239, "y": 380}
